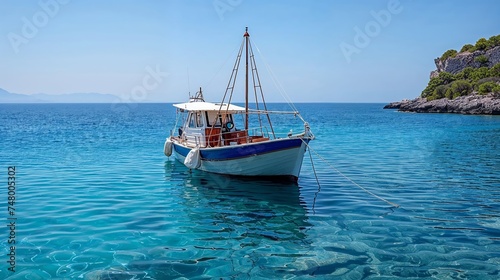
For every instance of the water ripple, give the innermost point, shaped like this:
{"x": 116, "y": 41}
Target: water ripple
{"x": 98, "y": 200}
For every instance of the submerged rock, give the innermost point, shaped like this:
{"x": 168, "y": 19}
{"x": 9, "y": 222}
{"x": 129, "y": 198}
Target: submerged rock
{"x": 470, "y": 104}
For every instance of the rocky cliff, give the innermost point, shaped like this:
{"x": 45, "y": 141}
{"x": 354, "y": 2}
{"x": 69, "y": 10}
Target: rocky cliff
{"x": 453, "y": 90}
{"x": 462, "y": 60}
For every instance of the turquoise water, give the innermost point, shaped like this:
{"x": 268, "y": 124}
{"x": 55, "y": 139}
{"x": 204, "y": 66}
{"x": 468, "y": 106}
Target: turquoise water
{"x": 97, "y": 199}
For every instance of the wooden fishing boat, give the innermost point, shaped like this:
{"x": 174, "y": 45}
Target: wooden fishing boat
{"x": 210, "y": 138}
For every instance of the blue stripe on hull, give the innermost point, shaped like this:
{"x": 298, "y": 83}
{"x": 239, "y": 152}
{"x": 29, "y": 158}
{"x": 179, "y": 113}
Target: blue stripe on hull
{"x": 240, "y": 151}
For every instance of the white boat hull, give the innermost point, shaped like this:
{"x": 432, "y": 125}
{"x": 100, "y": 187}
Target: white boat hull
{"x": 283, "y": 159}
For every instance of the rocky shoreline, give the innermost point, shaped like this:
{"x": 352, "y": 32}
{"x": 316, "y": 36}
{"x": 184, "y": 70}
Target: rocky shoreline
{"x": 469, "y": 105}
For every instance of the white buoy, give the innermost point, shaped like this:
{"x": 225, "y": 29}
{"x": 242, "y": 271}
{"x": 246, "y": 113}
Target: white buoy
{"x": 193, "y": 159}
{"x": 167, "y": 148}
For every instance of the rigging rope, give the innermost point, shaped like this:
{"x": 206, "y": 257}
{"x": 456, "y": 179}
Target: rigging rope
{"x": 177, "y": 117}
{"x": 277, "y": 84}
{"x": 218, "y": 71}
{"x": 347, "y": 178}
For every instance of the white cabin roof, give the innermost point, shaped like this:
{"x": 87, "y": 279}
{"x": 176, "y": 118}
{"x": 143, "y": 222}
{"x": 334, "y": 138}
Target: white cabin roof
{"x": 207, "y": 106}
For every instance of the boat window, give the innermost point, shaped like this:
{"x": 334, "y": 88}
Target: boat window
{"x": 196, "y": 120}
{"x": 219, "y": 119}
{"x": 199, "y": 119}
{"x": 227, "y": 118}
{"x": 207, "y": 119}
{"x": 213, "y": 118}
{"x": 192, "y": 120}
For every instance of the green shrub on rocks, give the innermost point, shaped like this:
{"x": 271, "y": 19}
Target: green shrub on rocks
{"x": 465, "y": 74}
{"x": 467, "y": 48}
{"x": 439, "y": 92}
{"x": 495, "y": 70}
{"x": 488, "y": 87}
{"x": 483, "y": 60}
{"x": 463, "y": 83}
{"x": 447, "y": 54}
{"x": 460, "y": 88}
{"x": 489, "y": 79}
{"x": 480, "y": 73}
{"x": 494, "y": 41}
{"x": 482, "y": 44}
{"x": 444, "y": 78}
{"x": 469, "y": 79}
{"x": 431, "y": 86}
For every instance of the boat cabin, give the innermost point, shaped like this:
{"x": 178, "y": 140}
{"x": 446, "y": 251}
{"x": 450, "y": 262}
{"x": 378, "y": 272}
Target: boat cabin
{"x": 213, "y": 125}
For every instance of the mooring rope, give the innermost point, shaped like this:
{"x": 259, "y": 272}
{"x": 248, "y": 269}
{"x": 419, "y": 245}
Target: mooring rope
{"x": 347, "y": 178}
{"x": 317, "y": 180}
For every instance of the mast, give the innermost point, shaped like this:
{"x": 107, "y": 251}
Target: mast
{"x": 246, "y": 35}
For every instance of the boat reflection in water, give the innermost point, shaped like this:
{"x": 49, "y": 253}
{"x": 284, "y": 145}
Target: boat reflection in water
{"x": 230, "y": 225}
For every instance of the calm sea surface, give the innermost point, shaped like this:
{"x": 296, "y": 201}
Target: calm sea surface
{"x": 97, "y": 199}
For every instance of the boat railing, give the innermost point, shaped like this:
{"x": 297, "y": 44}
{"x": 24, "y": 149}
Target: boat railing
{"x": 234, "y": 137}
{"x": 193, "y": 140}
{"x": 259, "y": 131}
{"x": 215, "y": 137}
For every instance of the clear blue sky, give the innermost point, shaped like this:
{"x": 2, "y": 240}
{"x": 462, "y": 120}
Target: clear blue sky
{"x": 313, "y": 47}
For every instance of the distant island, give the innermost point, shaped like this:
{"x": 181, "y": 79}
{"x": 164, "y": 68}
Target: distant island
{"x": 465, "y": 82}
{"x": 8, "y": 97}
